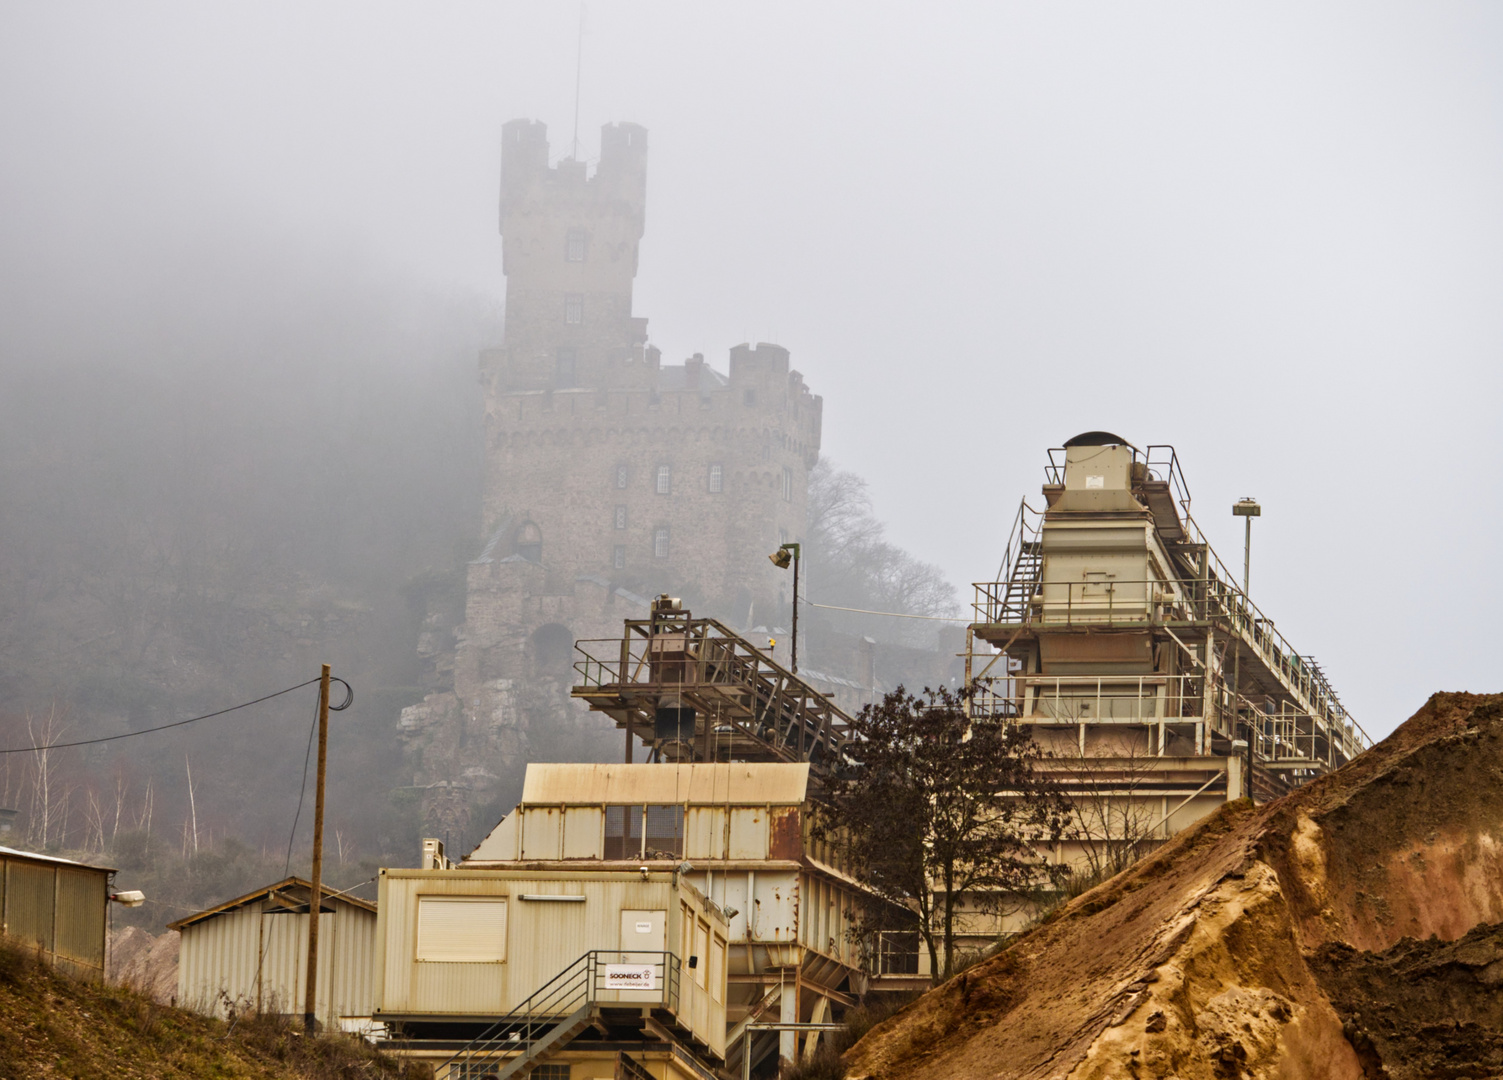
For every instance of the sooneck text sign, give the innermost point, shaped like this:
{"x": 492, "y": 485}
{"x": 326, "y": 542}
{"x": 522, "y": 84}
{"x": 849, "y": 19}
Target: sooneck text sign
{"x": 631, "y": 977}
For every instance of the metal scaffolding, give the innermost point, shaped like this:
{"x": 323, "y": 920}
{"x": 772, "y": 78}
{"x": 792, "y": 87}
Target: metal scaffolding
{"x": 693, "y": 689}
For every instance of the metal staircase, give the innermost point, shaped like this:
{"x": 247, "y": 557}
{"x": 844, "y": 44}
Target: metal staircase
{"x": 557, "y": 1012}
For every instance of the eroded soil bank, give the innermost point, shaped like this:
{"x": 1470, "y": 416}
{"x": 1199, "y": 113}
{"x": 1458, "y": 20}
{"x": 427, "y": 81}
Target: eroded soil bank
{"x": 1353, "y": 929}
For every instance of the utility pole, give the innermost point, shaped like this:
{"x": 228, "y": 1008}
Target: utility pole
{"x": 315, "y": 897}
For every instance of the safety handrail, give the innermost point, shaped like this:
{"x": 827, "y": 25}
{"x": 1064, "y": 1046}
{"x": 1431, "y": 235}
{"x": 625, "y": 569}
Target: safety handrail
{"x": 576, "y": 986}
{"x": 1154, "y": 600}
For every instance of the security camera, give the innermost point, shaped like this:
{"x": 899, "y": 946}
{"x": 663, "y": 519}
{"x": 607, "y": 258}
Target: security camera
{"x": 129, "y": 898}
{"x": 685, "y": 867}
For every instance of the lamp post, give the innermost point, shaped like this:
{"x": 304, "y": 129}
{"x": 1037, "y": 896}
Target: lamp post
{"x": 781, "y": 558}
{"x": 1246, "y": 508}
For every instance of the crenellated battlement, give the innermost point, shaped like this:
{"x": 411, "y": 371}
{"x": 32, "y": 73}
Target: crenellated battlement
{"x": 620, "y": 174}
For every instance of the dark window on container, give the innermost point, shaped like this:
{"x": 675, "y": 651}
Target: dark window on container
{"x": 717, "y": 479}
{"x": 573, "y": 308}
{"x": 563, "y": 368}
{"x": 574, "y": 246}
{"x": 623, "y": 832}
{"x": 665, "y": 832}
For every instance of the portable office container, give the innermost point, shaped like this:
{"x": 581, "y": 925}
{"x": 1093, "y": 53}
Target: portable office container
{"x": 461, "y": 945}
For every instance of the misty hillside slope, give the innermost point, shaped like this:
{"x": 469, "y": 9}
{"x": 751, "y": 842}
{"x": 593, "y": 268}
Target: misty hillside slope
{"x": 51, "y": 1026}
{"x": 1351, "y": 929}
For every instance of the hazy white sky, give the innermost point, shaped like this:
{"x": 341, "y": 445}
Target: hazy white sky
{"x": 1270, "y": 234}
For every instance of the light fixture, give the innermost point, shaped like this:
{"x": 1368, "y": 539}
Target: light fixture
{"x": 129, "y": 897}
{"x": 788, "y": 554}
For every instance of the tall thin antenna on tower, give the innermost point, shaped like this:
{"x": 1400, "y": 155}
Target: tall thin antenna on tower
{"x": 578, "y": 69}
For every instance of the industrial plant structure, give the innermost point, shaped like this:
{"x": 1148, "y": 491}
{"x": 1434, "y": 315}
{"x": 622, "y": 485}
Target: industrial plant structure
{"x": 1120, "y": 638}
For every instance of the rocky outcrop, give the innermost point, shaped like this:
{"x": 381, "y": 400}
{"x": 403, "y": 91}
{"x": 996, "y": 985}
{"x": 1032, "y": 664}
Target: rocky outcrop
{"x": 1352, "y": 929}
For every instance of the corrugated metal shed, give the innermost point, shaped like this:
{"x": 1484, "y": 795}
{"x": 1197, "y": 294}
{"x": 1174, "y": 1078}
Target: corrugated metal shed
{"x": 58, "y": 907}
{"x": 704, "y": 784}
{"x": 252, "y": 952}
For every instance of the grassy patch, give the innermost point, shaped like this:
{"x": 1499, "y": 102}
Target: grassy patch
{"x": 54, "y": 1027}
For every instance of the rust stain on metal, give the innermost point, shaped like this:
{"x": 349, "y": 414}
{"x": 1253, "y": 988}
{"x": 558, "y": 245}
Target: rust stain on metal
{"x": 786, "y": 838}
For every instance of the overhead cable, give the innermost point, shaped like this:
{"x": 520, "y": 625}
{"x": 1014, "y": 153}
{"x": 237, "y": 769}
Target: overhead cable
{"x": 890, "y": 614}
{"x": 174, "y": 724}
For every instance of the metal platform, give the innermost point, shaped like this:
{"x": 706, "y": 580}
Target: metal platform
{"x": 695, "y": 690}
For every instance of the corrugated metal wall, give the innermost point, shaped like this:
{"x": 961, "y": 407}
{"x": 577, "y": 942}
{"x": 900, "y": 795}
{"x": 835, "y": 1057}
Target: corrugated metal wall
{"x": 58, "y": 909}
{"x": 256, "y": 957}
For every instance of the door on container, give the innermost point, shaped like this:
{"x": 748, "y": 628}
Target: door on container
{"x": 644, "y": 937}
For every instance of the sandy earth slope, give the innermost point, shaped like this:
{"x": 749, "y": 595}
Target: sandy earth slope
{"x": 1352, "y": 929}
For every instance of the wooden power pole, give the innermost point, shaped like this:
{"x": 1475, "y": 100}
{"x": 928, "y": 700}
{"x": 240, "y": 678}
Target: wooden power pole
{"x": 315, "y": 898}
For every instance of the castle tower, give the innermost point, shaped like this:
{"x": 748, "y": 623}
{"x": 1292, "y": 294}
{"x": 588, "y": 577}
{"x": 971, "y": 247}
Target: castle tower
{"x": 609, "y": 476}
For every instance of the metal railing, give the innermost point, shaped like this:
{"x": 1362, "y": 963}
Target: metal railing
{"x": 897, "y": 952}
{"x": 726, "y": 678}
{"x": 509, "y": 1044}
{"x": 1285, "y": 737}
{"x": 1115, "y": 603}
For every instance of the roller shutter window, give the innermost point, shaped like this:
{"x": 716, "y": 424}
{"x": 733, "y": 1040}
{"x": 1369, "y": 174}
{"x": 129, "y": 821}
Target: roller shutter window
{"x": 461, "y": 929}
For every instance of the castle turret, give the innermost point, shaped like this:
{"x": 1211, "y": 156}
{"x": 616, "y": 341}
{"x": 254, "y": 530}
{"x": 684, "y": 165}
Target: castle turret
{"x": 569, "y": 250}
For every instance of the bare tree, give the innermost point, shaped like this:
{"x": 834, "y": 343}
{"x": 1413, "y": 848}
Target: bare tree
{"x": 936, "y": 814}
{"x": 1110, "y": 820}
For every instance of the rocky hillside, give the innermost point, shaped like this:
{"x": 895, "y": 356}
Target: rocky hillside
{"x": 1352, "y": 929}
{"x": 53, "y": 1027}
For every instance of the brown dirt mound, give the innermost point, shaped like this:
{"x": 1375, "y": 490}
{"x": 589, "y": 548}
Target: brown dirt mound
{"x": 1278, "y": 941}
{"x": 145, "y": 963}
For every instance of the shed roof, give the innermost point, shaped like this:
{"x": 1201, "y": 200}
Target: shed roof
{"x": 290, "y": 882}
{"x": 705, "y": 784}
{"x": 10, "y": 852}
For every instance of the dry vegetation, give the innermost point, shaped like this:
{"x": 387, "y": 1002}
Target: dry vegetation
{"x": 51, "y": 1026}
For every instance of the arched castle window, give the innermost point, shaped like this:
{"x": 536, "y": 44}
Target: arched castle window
{"x": 665, "y": 479}
{"x": 660, "y": 542}
{"x": 574, "y": 246}
{"x": 530, "y": 542}
{"x": 717, "y": 479}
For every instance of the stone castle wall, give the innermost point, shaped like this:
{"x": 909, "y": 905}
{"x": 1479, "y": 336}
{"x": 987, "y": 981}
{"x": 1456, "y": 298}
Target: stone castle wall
{"x": 580, "y": 417}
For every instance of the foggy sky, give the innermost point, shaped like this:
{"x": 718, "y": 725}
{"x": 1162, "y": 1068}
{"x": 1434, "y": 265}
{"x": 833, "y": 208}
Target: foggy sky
{"x": 1271, "y": 235}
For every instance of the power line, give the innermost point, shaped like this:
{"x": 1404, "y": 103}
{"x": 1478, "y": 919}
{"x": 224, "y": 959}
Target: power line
{"x": 161, "y": 727}
{"x": 890, "y": 614}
